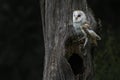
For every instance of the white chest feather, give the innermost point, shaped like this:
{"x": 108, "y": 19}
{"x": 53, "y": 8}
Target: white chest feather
{"x": 78, "y": 28}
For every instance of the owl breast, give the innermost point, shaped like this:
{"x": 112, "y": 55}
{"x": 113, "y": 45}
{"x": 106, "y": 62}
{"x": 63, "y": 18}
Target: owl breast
{"x": 77, "y": 27}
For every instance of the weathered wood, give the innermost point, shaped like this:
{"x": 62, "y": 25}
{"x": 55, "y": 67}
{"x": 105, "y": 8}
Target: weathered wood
{"x": 59, "y": 40}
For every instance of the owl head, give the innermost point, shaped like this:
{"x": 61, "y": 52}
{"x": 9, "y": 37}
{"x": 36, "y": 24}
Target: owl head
{"x": 79, "y": 16}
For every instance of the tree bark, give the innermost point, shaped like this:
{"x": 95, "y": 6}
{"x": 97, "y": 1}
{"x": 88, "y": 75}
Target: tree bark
{"x": 59, "y": 37}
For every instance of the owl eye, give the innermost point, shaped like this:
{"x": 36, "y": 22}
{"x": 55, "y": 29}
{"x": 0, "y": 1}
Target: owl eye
{"x": 79, "y": 15}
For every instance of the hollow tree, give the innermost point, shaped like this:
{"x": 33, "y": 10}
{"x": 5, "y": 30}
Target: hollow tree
{"x": 64, "y": 58}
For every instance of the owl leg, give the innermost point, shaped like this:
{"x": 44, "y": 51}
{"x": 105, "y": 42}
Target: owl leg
{"x": 86, "y": 40}
{"x": 82, "y": 38}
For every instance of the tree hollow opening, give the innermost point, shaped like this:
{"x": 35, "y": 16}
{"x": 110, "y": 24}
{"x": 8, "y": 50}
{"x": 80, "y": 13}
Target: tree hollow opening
{"x": 76, "y": 63}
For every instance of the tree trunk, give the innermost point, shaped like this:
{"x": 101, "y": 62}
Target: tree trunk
{"x": 64, "y": 58}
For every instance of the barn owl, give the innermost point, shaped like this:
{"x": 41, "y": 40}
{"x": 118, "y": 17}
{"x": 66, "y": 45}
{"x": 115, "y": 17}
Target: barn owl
{"x": 82, "y": 27}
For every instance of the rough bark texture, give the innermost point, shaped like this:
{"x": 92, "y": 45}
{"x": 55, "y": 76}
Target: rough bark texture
{"x": 59, "y": 42}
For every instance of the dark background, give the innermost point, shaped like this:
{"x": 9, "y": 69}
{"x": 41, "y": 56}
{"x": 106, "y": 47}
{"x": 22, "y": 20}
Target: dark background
{"x": 21, "y": 40}
{"x": 107, "y": 55}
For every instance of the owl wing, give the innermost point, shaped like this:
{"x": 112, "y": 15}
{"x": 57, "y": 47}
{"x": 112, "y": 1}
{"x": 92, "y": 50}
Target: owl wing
{"x": 94, "y": 35}
{"x": 90, "y": 32}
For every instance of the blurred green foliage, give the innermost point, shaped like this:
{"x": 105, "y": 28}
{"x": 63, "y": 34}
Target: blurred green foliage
{"x": 107, "y": 57}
